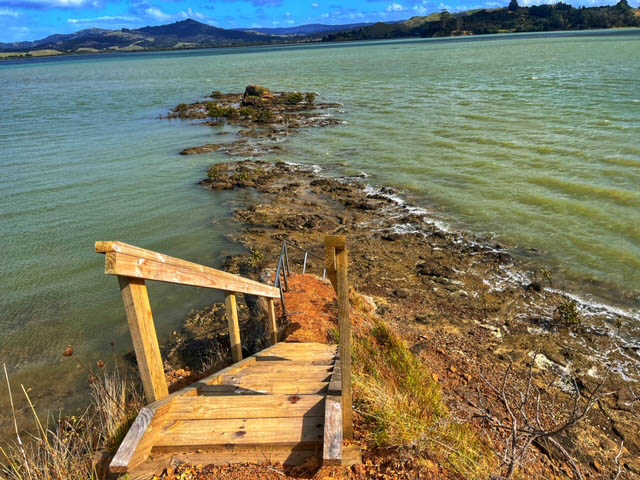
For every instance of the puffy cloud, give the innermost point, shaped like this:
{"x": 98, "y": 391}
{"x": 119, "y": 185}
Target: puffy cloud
{"x": 315, "y": 5}
{"x": 396, "y": 7}
{"x": 157, "y": 14}
{"x": 420, "y": 9}
{"x": 189, "y": 13}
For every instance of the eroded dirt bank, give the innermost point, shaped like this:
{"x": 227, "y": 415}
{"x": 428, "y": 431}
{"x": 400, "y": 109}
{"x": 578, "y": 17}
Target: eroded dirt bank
{"x": 465, "y": 306}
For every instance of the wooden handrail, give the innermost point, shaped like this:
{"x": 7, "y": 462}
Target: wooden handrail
{"x": 130, "y": 261}
{"x": 336, "y": 263}
{"x": 133, "y": 265}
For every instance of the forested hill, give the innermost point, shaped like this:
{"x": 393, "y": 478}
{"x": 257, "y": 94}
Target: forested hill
{"x": 538, "y": 18}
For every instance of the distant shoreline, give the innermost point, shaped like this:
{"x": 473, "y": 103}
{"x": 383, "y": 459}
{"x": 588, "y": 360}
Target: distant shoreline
{"x": 41, "y": 54}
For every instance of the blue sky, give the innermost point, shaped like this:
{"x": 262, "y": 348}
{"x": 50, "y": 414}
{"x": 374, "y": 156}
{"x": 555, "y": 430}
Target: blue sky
{"x": 35, "y": 19}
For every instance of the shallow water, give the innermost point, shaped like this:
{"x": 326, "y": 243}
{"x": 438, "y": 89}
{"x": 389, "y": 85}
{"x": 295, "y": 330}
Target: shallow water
{"x": 532, "y": 139}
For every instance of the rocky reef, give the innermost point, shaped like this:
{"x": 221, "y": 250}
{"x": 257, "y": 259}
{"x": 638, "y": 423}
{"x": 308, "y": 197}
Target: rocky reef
{"x": 263, "y": 118}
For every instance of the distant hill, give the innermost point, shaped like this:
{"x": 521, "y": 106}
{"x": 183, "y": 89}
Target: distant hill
{"x": 310, "y": 29}
{"x": 537, "y": 18}
{"x": 184, "y": 34}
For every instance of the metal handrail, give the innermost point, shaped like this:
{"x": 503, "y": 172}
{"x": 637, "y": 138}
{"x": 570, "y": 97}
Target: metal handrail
{"x": 283, "y": 270}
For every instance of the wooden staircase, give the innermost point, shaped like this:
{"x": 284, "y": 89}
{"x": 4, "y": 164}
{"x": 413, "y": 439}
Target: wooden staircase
{"x": 286, "y": 404}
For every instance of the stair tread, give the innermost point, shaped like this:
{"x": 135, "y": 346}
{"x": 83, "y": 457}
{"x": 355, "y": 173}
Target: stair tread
{"x": 246, "y": 406}
{"x": 241, "y": 431}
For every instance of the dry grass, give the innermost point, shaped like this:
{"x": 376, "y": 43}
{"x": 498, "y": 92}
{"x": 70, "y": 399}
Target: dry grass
{"x": 65, "y": 448}
{"x": 402, "y": 406}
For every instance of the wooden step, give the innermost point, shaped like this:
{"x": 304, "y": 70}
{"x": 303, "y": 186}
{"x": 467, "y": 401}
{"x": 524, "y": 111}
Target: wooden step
{"x": 283, "y": 362}
{"x": 285, "y": 366}
{"x": 163, "y": 457}
{"x": 273, "y": 388}
{"x": 236, "y": 431}
{"x": 248, "y": 377}
{"x": 246, "y": 406}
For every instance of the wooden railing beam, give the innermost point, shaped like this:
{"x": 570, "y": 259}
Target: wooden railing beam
{"x": 129, "y": 261}
{"x": 145, "y": 340}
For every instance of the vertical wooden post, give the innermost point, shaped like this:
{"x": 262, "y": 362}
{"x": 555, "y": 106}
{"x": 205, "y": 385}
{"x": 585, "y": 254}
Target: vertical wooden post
{"x": 234, "y": 328}
{"x": 145, "y": 340}
{"x": 273, "y": 326}
{"x": 336, "y": 262}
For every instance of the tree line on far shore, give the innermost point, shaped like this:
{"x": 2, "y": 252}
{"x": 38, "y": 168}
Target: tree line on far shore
{"x": 514, "y": 18}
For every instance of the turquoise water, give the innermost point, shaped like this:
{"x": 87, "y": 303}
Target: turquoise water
{"x": 532, "y": 139}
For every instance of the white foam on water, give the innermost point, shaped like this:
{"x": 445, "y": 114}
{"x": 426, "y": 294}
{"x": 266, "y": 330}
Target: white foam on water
{"x": 590, "y": 308}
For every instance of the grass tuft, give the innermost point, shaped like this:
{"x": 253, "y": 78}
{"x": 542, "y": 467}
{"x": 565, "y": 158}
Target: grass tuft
{"x": 67, "y": 447}
{"x": 402, "y": 406}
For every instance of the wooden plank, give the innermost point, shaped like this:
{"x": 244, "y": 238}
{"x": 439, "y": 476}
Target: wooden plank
{"x": 336, "y": 241}
{"x": 234, "y": 327}
{"x": 302, "y": 388}
{"x": 273, "y": 325}
{"x": 145, "y": 340}
{"x": 330, "y": 265}
{"x": 305, "y": 347}
{"x": 254, "y": 406}
{"x": 275, "y": 360}
{"x": 333, "y": 433}
{"x": 183, "y": 273}
{"x": 318, "y": 358}
{"x": 335, "y": 384}
{"x": 342, "y": 264}
{"x": 229, "y": 454}
{"x": 248, "y": 377}
{"x": 138, "y": 442}
{"x": 278, "y": 368}
{"x": 198, "y": 433}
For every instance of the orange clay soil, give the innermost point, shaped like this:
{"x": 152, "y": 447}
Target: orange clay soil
{"x": 312, "y": 309}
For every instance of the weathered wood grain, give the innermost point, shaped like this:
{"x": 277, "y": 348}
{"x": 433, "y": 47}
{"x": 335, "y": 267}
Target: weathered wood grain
{"x": 234, "y": 327}
{"x": 145, "y": 340}
{"x": 273, "y": 325}
{"x": 254, "y": 406}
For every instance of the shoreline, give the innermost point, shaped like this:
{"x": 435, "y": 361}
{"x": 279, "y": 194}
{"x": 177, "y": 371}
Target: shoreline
{"x": 458, "y": 300}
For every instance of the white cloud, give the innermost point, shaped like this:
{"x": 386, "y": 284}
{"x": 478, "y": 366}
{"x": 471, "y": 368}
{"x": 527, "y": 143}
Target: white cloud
{"x": 105, "y": 19}
{"x": 287, "y": 14}
{"x": 420, "y": 10}
{"x": 157, "y": 14}
{"x": 6, "y": 12}
{"x": 396, "y": 7}
{"x": 315, "y": 5}
{"x": 189, "y": 13}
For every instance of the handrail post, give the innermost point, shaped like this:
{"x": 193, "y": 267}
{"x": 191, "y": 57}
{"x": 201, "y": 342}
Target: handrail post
{"x": 145, "y": 340}
{"x": 273, "y": 326}
{"x": 336, "y": 262}
{"x": 234, "y": 328}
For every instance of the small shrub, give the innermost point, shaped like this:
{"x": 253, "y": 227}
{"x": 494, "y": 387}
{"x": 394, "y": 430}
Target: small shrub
{"x": 263, "y": 116}
{"x": 218, "y": 111}
{"x": 310, "y": 97}
{"x": 293, "y": 98}
{"x": 216, "y": 94}
{"x": 182, "y": 108}
{"x": 246, "y": 112}
{"x": 567, "y": 314}
{"x": 216, "y": 172}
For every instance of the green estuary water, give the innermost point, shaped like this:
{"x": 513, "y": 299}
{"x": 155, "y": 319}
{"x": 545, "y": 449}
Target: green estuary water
{"x": 531, "y": 140}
